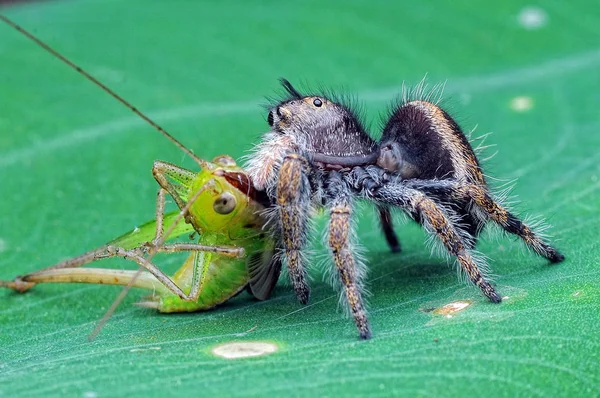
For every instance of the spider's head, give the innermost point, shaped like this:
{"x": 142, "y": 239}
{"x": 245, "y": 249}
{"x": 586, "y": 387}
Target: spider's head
{"x": 322, "y": 125}
{"x": 298, "y": 111}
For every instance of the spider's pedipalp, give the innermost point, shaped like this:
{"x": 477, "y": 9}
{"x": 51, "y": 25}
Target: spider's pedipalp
{"x": 293, "y": 202}
{"x": 263, "y": 163}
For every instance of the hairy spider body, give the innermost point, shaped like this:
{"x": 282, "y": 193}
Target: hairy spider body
{"x": 423, "y": 144}
{"x": 318, "y": 154}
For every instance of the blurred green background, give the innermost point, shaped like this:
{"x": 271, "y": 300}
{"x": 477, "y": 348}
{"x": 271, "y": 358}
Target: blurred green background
{"x": 75, "y": 171}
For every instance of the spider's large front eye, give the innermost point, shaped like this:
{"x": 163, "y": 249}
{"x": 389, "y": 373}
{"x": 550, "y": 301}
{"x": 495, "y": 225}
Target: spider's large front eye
{"x": 317, "y": 102}
{"x": 270, "y": 118}
{"x": 225, "y": 203}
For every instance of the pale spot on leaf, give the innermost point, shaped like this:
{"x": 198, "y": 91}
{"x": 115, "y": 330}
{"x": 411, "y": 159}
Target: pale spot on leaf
{"x": 532, "y": 18}
{"x": 451, "y": 308}
{"x": 244, "y": 349}
{"x": 521, "y": 103}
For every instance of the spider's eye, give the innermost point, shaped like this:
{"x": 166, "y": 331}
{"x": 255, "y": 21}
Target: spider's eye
{"x": 317, "y": 102}
{"x": 225, "y": 203}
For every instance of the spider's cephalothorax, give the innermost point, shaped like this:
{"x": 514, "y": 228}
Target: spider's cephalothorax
{"x": 318, "y": 154}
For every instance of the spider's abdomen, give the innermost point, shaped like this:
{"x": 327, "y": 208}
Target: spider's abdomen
{"x": 421, "y": 140}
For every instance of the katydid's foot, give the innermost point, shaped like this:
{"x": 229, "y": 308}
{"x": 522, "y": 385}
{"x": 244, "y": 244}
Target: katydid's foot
{"x": 18, "y": 285}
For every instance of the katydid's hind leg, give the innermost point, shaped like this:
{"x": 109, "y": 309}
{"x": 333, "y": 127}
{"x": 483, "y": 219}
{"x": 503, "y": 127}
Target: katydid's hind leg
{"x": 511, "y": 223}
{"x": 164, "y": 279}
{"x": 138, "y": 257}
{"x": 229, "y": 251}
{"x": 102, "y": 276}
{"x": 183, "y": 247}
{"x": 26, "y": 282}
{"x": 21, "y": 283}
{"x": 293, "y": 201}
{"x": 385, "y": 219}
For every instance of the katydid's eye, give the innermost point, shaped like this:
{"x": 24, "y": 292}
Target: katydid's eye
{"x": 317, "y": 102}
{"x": 225, "y": 203}
{"x": 225, "y": 161}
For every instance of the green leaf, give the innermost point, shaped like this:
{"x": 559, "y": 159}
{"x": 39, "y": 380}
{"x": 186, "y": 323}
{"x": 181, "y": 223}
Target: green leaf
{"x": 75, "y": 169}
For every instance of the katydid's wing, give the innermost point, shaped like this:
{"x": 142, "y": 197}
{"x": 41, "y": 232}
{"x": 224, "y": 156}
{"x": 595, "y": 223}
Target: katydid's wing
{"x": 147, "y": 231}
{"x": 263, "y": 268}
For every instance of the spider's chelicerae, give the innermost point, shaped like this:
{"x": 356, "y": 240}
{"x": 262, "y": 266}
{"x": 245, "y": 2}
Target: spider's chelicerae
{"x": 318, "y": 154}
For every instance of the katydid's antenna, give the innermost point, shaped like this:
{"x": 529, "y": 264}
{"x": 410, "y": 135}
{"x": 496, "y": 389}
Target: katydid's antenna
{"x": 30, "y": 36}
{"x": 202, "y": 163}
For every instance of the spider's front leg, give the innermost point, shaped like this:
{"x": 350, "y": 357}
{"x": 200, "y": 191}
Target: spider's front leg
{"x": 293, "y": 202}
{"x": 340, "y": 234}
{"x": 437, "y": 221}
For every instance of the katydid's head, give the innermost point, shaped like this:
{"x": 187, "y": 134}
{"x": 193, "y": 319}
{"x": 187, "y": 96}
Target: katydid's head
{"x": 226, "y": 200}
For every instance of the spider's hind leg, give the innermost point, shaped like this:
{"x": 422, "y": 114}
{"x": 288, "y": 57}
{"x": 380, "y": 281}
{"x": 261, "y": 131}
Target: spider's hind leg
{"x": 480, "y": 197}
{"x": 437, "y": 221}
{"x": 385, "y": 219}
{"x": 511, "y": 223}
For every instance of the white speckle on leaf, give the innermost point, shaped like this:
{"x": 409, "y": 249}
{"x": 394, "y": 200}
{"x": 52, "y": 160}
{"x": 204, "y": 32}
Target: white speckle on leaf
{"x": 244, "y": 349}
{"x": 451, "y": 308}
{"x": 521, "y": 103}
{"x": 532, "y": 18}
{"x": 136, "y": 230}
{"x": 90, "y": 394}
{"x": 144, "y": 349}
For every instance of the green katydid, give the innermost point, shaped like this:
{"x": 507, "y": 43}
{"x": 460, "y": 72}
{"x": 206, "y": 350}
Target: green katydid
{"x": 219, "y": 203}
{"x": 232, "y": 250}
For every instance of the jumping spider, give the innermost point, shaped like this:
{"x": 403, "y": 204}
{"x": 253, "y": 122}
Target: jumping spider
{"x": 317, "y": 153}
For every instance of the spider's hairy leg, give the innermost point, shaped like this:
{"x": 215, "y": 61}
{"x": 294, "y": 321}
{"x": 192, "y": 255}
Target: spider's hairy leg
{"x": 340, "y": 233}
{"x": 385, "y": 219}
{"x": 366, "y": 178}
{"x": 436, "y": 220}
{"x": 511, "y": 223}
{"x": 293, "y": 201}
{"x": 496, "y": 212}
